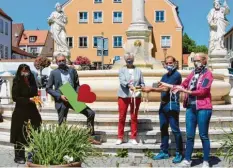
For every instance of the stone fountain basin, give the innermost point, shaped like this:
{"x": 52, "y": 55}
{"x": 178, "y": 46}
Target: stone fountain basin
{"x": 105, "y": 83}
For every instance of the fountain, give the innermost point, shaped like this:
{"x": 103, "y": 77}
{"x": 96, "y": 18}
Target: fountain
{"x": 106, "y": 83}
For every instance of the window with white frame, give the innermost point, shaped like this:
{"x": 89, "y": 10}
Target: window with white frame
{"x": 32, "y": 39}
{"x": 117, "y": 41}
{"x": 117, "y": 17}
{"x": 6, "y": 52}
{"x": 159, "y": 16}
{"x": 83, "y": 17}
{"x": 70, "y": 41}
{"x": 82, "y": 42}
{"x": 166, "y": 41}
{"x": 6, "y": 28}
{"x": 33, "y": 50}
{"x": 1, "y": 26}
{"x": 98, "y": 17}
{"x": 95, "y": 38}
{"x": 1, "y": 51}
{"x": 98, "y": 1}
{"x": 117, "y": 1}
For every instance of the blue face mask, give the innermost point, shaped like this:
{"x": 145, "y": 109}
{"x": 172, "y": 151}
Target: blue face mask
{"x": 170, "y": 68}
{"x": 129, "y": 62}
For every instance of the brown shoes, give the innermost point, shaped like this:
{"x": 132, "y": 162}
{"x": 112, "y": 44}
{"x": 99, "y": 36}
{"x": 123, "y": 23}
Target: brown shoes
{"x": 93, "y": 141}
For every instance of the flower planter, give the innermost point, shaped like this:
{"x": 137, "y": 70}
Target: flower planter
{"x": 75, "y": 164}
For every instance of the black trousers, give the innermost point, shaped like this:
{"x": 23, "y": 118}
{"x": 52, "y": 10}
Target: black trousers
{"x": 88, "y": 112}
{"x": 19, "y": 151}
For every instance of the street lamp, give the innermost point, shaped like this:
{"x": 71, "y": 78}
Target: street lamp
{"x": 102, "y": 52}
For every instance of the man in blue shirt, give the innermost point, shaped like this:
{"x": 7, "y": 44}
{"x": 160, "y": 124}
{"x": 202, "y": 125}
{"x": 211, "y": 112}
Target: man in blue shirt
{"x": 169, "y": 111}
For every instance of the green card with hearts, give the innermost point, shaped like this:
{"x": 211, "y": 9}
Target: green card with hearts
{"x": 68, "y": 91}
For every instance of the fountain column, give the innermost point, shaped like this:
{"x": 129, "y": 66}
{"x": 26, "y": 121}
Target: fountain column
{"x": 138, "y": 41}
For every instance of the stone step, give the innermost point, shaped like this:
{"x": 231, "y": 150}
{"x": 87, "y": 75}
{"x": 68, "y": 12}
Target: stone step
{"x": 111, "y": 123}
{"x": 111, "y": 148}
{"x": 139, "y": 150}
{"x": 112, "y": 108}
{"x": 146, "y": 136}
{"x": 144, "y": 122}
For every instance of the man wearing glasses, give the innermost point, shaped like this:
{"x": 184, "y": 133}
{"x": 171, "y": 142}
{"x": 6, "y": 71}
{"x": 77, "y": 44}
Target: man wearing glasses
{"x": 169, "y": 111}
{"x": 57, "y": 78}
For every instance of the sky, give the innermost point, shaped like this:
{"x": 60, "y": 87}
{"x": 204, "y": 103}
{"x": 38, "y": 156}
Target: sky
{"x": 34, "y": 14}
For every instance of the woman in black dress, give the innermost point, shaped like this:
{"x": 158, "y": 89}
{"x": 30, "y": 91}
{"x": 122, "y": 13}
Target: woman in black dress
{"x": 23, "y": 90}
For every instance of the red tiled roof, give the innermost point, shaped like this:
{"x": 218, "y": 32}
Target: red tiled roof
{"x": 185, "y": 59}
{"x": 40, "y": 34}
{"x": 17, "y": 32}
{"x": 5, "y": 15}
{"x": 22, "y": 52}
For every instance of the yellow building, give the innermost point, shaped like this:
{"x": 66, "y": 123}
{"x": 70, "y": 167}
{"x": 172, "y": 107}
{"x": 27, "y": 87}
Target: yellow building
{"x": 87, "y": 19}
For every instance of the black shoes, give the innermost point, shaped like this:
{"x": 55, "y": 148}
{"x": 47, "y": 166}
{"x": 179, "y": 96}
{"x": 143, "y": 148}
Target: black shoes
{"x": 19, "y": 160}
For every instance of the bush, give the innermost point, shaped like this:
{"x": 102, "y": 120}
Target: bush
{"x": 56, "y": 145}
{"x": 80, "y": 60}
{"x": 226, "y": 148}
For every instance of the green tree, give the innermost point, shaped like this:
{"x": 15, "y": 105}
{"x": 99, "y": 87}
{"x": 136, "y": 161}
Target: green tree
{"x": 201, "y": 48}
{"x": 189, "y": 45}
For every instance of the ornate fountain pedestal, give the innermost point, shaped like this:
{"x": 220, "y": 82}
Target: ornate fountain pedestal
{"x": 218, "y": 61}
{"x": 138, "y": 40}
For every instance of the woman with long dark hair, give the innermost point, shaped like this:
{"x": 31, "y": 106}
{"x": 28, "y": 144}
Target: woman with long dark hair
{"x": 23, "y": 91}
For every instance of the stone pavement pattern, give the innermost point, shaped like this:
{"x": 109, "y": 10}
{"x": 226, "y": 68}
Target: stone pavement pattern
{"x": 7, "y": 160}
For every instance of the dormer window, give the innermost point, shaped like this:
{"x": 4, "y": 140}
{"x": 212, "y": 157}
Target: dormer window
{"x": 32, "y": 39}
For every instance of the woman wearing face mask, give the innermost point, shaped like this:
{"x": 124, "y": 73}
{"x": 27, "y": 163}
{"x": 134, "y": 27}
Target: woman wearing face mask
{"x": 197, "y": 100}
{"x": 23, "y": 90}
{"x": 131, "y": 78}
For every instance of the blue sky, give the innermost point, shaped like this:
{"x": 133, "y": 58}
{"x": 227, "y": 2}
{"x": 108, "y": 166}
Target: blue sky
{"x": 34, "y": 14}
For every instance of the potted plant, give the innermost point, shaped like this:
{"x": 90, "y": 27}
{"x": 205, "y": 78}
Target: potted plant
{"x": 84, "y": 62}
{"x": 40, "y": 63}
{"x": 59, "y": 146}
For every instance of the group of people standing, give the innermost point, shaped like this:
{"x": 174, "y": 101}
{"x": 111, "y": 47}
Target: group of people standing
{"x": 197, "y": 101}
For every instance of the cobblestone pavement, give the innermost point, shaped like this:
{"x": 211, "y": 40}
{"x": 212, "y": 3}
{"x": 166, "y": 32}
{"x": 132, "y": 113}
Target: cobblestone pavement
{"x": 7, "y": 160}
{"x": 145, "y": 161}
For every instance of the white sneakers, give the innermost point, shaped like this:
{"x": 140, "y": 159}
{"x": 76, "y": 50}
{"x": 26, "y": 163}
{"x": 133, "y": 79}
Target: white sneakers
{"x": 205, "y": 164}
{"x": 133, "y": 141}
{"x": 185, "y": 163}
{"x": 119, "y": 141}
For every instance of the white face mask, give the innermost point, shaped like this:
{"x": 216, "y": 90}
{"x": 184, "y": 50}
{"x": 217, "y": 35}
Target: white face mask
{"x": 197, "y": 64}
{"x": 25, "y": 74}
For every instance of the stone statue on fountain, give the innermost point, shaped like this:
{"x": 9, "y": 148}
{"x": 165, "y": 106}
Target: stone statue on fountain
{"x": 57, "y": 21}
{"x": 217, "y": 22}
